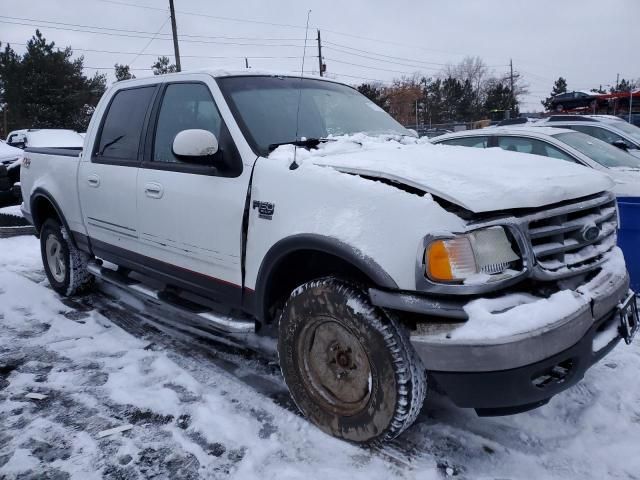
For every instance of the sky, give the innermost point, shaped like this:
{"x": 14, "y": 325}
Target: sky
{"x": 586, "y": 41}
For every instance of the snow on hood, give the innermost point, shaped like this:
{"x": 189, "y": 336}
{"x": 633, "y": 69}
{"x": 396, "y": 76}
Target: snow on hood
{"x": 480, "y": 180}
{"x": 627, "y": 181}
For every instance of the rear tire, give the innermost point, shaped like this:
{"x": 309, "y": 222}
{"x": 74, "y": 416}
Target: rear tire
{"x": 64, "y": 264}
{"x": 349, "y": 365}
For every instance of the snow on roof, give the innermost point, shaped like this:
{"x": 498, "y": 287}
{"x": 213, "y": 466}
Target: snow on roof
{"x": 509, "y": 130}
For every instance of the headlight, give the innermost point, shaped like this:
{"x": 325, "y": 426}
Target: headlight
{"x": 483, "y": 254}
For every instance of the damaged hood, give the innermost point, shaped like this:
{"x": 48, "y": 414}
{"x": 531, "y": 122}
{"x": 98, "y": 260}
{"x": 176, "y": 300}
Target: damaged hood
{"x": 480, "y": 180}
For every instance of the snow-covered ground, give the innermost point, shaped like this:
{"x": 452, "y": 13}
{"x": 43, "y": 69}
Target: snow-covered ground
{"x": 198, "y": 409}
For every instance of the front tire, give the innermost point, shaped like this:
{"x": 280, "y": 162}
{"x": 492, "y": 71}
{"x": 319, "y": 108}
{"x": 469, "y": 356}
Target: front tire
{"x": 64, "y": 264}
{"x": 349, "y": 365}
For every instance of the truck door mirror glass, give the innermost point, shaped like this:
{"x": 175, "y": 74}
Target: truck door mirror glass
{"x": 195, "y": 146}
{"x": 621, "y": 144}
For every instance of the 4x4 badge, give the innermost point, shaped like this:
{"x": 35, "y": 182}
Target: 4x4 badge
{"x": 265, "y": 209}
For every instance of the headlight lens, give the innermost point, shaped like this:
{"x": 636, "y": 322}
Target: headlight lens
{"x": 480, "y": 254}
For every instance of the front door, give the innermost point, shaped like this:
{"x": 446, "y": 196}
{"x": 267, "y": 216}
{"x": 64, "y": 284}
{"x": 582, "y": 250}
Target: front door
{"x": 108, "y": 173}
{"x": 190, "y": 215}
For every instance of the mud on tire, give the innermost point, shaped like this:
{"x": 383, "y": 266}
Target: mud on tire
{"x": 64, "y": 264}
{"x": 349, "y": 365}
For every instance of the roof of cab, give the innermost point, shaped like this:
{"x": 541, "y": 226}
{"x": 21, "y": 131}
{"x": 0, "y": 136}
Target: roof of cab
{"x": 231, "y": 72}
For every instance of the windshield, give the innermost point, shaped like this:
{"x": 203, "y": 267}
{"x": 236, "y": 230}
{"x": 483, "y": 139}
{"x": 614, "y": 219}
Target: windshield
{"x": 629, "y": 130}
{"x": 266, "y": 110}
{"x": 599, "y": 151}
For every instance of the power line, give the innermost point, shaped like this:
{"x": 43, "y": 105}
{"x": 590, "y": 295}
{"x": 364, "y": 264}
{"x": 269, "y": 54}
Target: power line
{"x": 374, "y": 58}
{"x": 378, "y": 54}
{"x": 128, "y": 33}
{"x": 218, "y": 17}
{"x": 149, "y": 42}
{"x": 213, "y": 57}
{"x": 378, "y": 68}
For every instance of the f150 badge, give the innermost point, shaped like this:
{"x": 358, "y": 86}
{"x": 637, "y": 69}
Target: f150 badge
{"x": 265, "y": 209}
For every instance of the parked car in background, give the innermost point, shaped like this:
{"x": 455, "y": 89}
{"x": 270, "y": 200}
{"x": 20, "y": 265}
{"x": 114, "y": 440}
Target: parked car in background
{"x": 366, "y": 260}
{"x": 45, "y": 138}
{"x": 607, "y": 128}
{"x": 10, "y": 159}
{"x": 574, "y": 146}
{"x": 635, "y": 118}
{"x": 37, "y": 138}
{"x": 571, "y": 100}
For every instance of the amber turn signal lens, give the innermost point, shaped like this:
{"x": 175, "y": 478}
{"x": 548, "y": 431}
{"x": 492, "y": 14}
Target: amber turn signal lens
{"x": 437, "y": 262}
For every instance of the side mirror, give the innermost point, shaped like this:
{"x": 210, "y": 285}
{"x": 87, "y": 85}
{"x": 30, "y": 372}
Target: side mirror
{"x": 18, "y": 141}
{"x": 621, "y": 144}
{"x": 195, "y": 146}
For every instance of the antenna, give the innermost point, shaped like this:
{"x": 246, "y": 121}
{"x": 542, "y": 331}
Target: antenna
{"x": 294, "y": 164}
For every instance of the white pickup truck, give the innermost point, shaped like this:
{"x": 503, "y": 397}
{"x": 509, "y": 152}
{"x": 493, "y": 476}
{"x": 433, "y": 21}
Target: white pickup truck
{"x": 384, "y": 267}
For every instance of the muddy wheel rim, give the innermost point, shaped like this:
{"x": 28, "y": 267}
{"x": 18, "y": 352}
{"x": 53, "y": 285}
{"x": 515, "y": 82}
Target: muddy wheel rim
{"x": 334, "y": 367}
{"x": 55, "y": 258}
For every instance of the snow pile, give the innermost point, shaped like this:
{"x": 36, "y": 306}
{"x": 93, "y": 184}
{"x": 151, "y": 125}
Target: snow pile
{"x": 13, "y": 210}
{"x": 480, "y": 180}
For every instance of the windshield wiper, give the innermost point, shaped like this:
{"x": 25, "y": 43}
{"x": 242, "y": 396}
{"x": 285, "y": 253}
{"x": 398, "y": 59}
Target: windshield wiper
{"x": 307, "y": 143}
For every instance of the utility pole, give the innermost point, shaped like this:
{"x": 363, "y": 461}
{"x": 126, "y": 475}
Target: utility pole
{"x": 617, "y": 81}
{"x": 321, "y": 65}
{"x": 513, "y": 95}
{"x": 630, "y": 106}
{"x": 246, "y": 63}
{"x": 174, "y": 28}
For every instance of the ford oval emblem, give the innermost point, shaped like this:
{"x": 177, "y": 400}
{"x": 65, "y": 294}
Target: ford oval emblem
{"x": 590, "y": 232}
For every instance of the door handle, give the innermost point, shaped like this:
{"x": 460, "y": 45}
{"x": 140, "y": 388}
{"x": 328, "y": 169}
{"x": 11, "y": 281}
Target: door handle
{"x": 153, "y": 190}
{"x": 93, "y": 180}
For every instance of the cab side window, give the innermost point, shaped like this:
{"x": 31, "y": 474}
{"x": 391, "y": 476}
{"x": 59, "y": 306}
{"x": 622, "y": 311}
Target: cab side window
{"x": 599, "y": 133}
{"x": 477, "y": 142}
{"x": 533, "y": 147}
{"x": 122, "y": 128}
{"x": 184, "y": 106}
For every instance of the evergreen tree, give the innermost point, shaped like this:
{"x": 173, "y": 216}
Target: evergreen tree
{"x": 123, "y": 72}
{"x": 163, "y": 66}
{"x": 375, "y": 93}
{"x": 560, "y": 86}
{"x": 498, "y": 98}
{"x": 45, "y": 87}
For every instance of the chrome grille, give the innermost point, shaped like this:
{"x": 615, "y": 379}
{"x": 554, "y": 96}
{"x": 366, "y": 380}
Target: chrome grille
{"x": 565, "y": 237}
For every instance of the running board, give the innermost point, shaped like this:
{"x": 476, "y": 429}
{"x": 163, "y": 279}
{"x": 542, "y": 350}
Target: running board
{"x": 220, "y": 322}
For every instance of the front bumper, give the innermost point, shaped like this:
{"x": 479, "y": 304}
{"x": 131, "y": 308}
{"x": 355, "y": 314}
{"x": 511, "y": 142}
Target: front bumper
{"x": 518, "y": 371}
{"x": 519, "y": 389}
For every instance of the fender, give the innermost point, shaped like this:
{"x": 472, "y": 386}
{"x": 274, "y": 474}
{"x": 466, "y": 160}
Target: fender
{"x": 320, "y": 243}
{"x": 78, "y": 240}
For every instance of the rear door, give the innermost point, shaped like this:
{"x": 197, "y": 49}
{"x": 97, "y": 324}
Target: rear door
{"x": 190, "y": 216}
{"x": 107, "y": 178}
